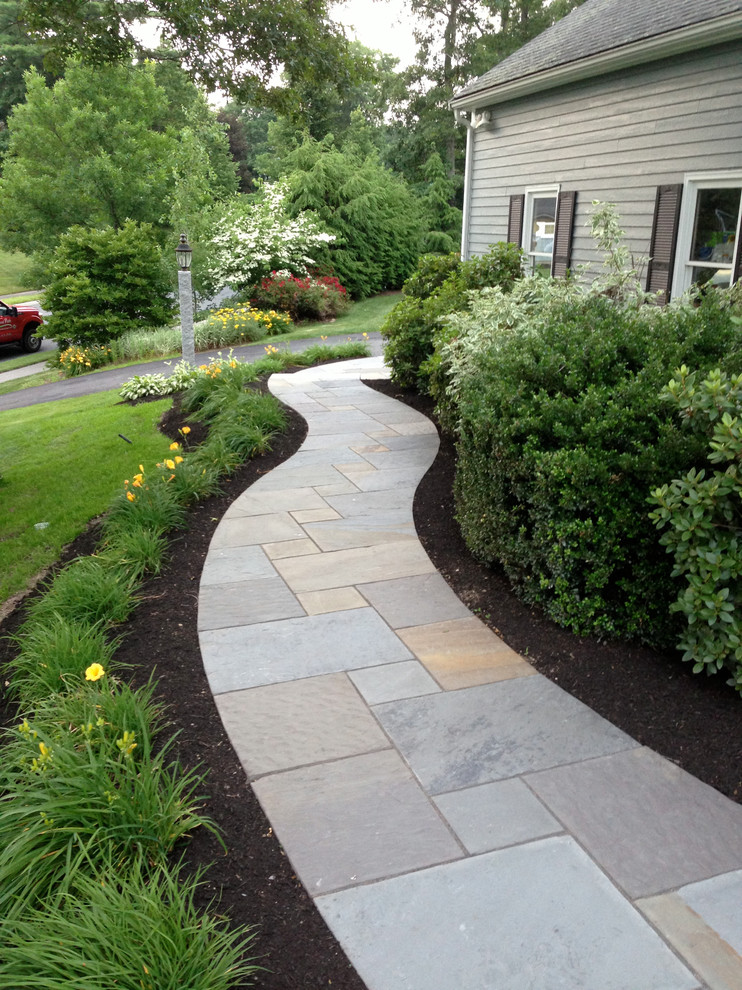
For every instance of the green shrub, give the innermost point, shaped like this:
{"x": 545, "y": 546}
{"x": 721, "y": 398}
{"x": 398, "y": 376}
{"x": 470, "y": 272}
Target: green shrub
{"x": 82, "y": 783}
{"x": 560, "y": 434}
{"x": 704, "y": 515}
{"x": 441, "y": 286}
{"x": 105, "y": 282}
{"x": 303, "y": 297}
{"x": 52, "y": 654}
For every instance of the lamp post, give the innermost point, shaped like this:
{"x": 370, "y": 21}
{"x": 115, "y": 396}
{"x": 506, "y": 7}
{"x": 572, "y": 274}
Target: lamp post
{"x": 184, "y": 253}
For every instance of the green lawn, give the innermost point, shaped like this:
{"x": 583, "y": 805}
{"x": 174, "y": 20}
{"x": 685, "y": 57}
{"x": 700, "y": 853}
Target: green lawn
{"x": 62, "y": 463}
{"x": 12, "y": 268}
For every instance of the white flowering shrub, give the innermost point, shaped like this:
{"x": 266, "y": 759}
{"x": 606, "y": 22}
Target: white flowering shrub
{"x": 254, "y": 238}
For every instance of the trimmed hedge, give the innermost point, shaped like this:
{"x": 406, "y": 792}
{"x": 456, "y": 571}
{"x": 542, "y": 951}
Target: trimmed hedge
{"x": 561, "y": 434}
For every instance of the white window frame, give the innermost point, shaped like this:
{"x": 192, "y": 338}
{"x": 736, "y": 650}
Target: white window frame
{"x": 532, "y": 193}
{"x": 683, "y": 274}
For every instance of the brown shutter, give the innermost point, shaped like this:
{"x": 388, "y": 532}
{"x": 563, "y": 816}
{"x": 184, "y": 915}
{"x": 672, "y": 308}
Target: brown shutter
{"x": 664, "y": 240}
{"x": 565, "y": 215}
{"x": 515, "y": 219}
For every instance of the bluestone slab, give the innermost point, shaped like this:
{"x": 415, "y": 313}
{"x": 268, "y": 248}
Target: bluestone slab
{"x": 476, "y": 735}
{"x": 290, "y": 649}
{"x": 283, "y": 726}
{"x": 354, "y": 820}
{"x": 535, "y": 917}
{"x": 719, "y": 903}
{"x": 393, "y": 681}
{"x": 649, "y": 824}
{"x": 492, "y": 816}
{"x": 414, "y": 601}
{"x": 244, "y": 602}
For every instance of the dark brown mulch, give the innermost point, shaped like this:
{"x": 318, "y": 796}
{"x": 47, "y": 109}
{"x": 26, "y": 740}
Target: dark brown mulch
{"x": 694, "y": 721}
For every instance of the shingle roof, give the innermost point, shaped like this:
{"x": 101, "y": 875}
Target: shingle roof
{"x": 600, "y": 26}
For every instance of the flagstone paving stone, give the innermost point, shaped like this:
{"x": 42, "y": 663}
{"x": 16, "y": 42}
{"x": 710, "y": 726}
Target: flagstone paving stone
{"x": 534, "y": 917}
{"x": 477, "y": 735}
{"x": 354, "y": 820}
{"x": 414, "y": 601}
{"x": 492, "y": 816}
{"x": 293, "y": 724}
{"x": 392, "y": 681}
{"x": 291, "y": 649}
{"x": 648, "y": 823}
{"x": 242, "y": 602}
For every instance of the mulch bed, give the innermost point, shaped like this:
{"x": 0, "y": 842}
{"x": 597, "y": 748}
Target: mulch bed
{"x": 696, "y": 722}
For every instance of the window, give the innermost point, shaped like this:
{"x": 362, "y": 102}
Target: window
{"x": 539, "y": 225}
{"x": 708, "y": 245}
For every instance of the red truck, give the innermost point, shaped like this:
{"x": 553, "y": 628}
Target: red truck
{"x": 18, "y": 325}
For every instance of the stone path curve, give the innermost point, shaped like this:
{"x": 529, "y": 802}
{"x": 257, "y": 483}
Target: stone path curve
{"x": 460, "y": 821}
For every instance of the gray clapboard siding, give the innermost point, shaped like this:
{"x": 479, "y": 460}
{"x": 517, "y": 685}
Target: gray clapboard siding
{"x": 614, "y": 138}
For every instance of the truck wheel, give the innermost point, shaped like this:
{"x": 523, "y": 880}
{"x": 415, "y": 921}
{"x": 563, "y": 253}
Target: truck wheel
{"x": 30, "y": 343}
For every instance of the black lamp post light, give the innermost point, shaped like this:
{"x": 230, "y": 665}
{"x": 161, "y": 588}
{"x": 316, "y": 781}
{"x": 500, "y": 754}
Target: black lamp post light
{"x": 184, "y": 254}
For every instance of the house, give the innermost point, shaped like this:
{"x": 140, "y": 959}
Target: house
{"x": 634, "y": 102}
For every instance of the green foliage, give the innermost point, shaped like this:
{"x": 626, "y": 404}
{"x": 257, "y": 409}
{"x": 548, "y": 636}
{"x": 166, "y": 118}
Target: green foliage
{"x": 236, "y": 47}
{"x": 53, "y": 654}
{"x": 702, "y": 515}
{"x": 105, "y": 282}
{"x": 253, "y": 236}
{"x": 244, "y": 324}
{"x": 86, "y": 592}
{"x": 371, "y": 212}
{"x": 441, "y": 286}
{"x": 561, "y": 431}
{"x": 81, "y": 788}
{"x": 85, "y": 151}
{"x": 140, "y": 931}
{"x": 443, "y": 221}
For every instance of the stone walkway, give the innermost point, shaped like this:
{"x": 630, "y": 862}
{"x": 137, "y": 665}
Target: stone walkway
{"x": 460, "y": 821}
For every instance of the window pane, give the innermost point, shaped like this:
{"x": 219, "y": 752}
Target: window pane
{"x": 715, "y": 227}
{"x": 542, "y": 224}
{"x": 719, "y": 278}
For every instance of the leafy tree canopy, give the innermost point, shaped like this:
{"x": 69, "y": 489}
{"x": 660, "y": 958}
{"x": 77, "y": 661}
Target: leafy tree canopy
{"x": 233, "y": 45}
{"x": 99, "y": 148}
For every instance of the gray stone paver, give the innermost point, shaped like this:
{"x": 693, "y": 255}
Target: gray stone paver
{"x": 354, "y": 820}
{"x": 493, "y": 816}
{"x": 458, "y": 831}
{"x": 291, "y": 649}
{"x": 536, "y": 917}
{"x": 289, "y": 725}
{"x": 414, "y": 601}
{"x": 649, "y": 824}
{"x": 476, "y": 735}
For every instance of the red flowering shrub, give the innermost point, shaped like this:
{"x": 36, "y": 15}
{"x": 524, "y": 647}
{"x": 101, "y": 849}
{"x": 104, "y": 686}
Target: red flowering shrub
{"x": 303, "y": 297}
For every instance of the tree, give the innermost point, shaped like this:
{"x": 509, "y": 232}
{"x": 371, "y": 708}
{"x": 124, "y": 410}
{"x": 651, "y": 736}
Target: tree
{"x": 459, "y": 40}
{"x": 96, "y": 149}
{"x": 371, "y": 211}
{"x": 233, "y": 45}
{"x": 19, "y": 53}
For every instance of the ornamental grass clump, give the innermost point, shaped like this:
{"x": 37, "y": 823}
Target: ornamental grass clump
{"x": 87, "y": 592}
{"x": 140, "y": 931}
{"x": 52, "y": 654}
{"x": 82, "y": 786}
